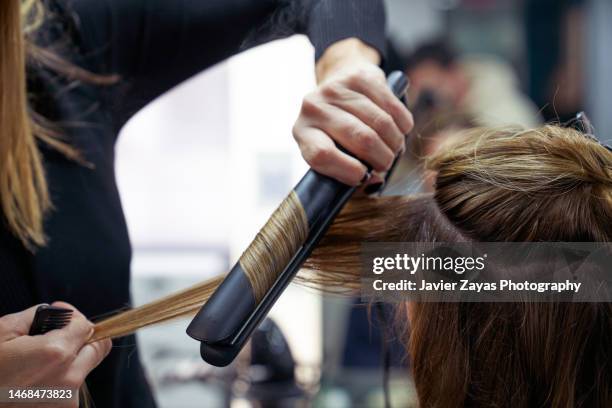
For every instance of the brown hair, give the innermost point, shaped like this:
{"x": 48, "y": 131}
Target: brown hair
{"x": 23, "y": 189}
{"x": 24, "y": 197}
{"x": 546, "y": 184}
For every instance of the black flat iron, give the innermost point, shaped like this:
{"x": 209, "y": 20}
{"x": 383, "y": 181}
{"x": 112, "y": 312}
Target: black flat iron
{"x": 227, "y": 320}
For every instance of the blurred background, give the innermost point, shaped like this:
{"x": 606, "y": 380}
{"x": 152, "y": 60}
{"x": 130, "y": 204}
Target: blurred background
{"x": 202, "y": 168}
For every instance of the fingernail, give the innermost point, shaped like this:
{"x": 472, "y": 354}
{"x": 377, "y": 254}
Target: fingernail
{"x": 373, "y": 188}
{"x": 377, "y": 178}
{"x": 365, "y": 178}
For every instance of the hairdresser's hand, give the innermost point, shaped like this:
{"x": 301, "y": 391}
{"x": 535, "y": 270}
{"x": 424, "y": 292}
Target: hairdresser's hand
{"x": 354, "y": 107}
{"x": 59, "y": 359}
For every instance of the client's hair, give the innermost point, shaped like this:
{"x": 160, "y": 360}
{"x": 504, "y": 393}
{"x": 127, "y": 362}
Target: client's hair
{"x": 547, "y": 184}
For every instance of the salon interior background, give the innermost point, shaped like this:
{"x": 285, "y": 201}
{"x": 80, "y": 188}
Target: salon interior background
{"x": 202, "y": 168}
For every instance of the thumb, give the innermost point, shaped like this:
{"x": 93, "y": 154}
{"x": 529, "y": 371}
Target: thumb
{"x": 17, "y": 324}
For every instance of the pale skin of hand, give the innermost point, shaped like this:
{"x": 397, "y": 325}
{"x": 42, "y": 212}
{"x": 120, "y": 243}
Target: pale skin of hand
{"x": 59, "y": 359}
{"x": 353, "y": 107}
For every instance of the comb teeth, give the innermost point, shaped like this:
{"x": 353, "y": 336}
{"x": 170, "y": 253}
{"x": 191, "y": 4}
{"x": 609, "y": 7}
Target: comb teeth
{"x": 49, "y": 318}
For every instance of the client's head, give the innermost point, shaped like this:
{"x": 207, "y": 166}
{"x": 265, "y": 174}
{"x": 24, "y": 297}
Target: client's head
{"x": 547, "y": 184}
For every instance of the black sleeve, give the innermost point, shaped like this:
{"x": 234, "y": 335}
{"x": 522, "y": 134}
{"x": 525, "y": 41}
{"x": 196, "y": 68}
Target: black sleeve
{"x": 156, "y": 44}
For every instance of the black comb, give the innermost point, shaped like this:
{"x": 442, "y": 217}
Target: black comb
{"x": 49, "y": 318}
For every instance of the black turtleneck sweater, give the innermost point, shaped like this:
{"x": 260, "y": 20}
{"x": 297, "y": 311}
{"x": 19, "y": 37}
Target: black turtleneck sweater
{"x": 152, "y": 45}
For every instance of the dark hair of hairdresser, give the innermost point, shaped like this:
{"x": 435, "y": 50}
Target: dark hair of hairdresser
{"x": 437, "y": 50}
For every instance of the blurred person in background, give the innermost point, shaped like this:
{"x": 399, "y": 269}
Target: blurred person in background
{"x": 91, "y": 65}
{"x": 481, "y": 86}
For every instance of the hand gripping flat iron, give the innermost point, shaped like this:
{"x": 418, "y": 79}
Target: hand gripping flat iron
{"x": 225, "y": 322}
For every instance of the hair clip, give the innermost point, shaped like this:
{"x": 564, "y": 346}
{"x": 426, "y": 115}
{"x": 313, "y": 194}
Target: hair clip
{"x": 584, "y": 125}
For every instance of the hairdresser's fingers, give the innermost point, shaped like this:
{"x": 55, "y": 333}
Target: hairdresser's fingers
{"x": 355, "y": 136}
{"x": 322, "y": 155}
{"x": 19, "y": 361}
{"x": 368, "y": 112}
{"x": 16, "y": 324}
{"x": 371, "y": 82}
{"x": 34, "y": 359}
{"x": 90, "y": 356}
{"x": 346, "y": 129}
{"x": 74, "y": 335}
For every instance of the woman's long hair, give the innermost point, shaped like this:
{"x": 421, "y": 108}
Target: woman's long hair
{"x": 23, "y": 188}
{"x": 546, "y": 184}
{"x": 24, "y": 196}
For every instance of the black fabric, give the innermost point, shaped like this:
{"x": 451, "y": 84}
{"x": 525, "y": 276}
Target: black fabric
{"x": 15, "y": 274}
{"x": 153, "y": 45}
{"x": 543, "y": 29}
